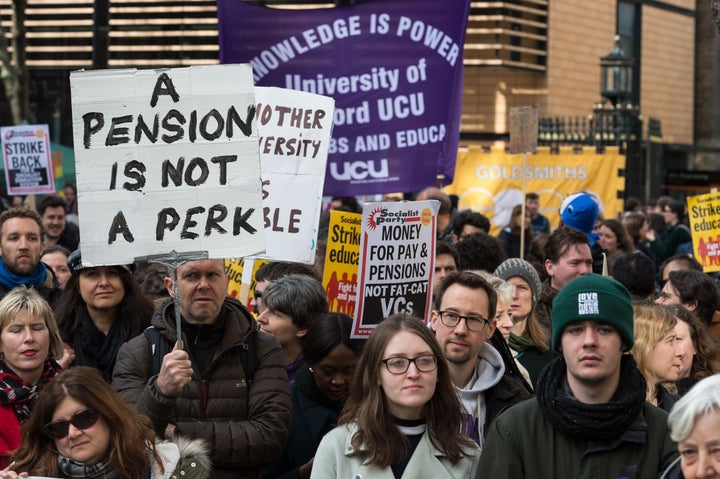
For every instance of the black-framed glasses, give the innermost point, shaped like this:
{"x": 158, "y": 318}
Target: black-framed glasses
{"x": 400, "y": 365}
{"x": 473, "y": 323}
{"x": 81, "y": 420}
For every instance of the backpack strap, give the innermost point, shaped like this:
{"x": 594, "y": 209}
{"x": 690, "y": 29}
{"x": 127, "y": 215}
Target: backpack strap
{"x": 157, "y": 347}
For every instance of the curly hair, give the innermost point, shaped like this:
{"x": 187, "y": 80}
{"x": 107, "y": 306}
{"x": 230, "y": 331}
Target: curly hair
{"x": 480, "y": 251}
{"x": 706, "y": 361}
{"x": 367, "y": 406}
{"x": 132, "y": 438}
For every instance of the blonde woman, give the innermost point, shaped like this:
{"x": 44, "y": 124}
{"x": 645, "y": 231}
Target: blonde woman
{"x": 657, "y": 352}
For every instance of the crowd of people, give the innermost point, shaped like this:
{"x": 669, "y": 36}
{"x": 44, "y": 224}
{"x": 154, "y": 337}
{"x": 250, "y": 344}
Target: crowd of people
{"x": 551, "y": 351}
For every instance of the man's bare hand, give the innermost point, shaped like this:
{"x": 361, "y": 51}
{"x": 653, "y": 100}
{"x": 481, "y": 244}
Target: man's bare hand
{"x": 175, "y": 372}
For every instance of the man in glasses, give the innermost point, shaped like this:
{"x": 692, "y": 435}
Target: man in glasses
{"x": 464, "y": 308}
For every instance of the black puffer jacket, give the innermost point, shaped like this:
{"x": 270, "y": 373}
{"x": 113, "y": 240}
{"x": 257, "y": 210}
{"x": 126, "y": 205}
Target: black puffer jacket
{"x": 243, "y": 435}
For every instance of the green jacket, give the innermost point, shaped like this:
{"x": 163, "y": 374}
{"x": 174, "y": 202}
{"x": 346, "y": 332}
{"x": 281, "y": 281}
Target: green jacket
{"x": 522, "y": 443}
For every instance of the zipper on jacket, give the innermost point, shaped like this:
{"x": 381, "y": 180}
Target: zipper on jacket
{"x": 204, "y": 395}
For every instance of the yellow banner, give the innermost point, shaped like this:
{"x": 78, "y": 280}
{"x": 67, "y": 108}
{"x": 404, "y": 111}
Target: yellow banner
{"x": 704, "y": 216}
{"x": 238, "y": 289}
{"x": 341, "y": 261}
{"x": 493, "y": 182}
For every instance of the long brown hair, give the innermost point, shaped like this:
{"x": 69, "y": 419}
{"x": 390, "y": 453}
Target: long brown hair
{"x": 134, "y": 310}
{"x": 132, "y": 438}
{"x": 367, "y": 406}
{"x": 706, "y": 361}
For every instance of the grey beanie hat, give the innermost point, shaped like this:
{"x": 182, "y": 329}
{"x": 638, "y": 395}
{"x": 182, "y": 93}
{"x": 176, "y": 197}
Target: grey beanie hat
{"x": 519, "y": 267}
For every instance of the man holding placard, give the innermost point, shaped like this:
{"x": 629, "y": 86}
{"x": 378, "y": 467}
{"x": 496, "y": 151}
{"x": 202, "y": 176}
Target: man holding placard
{"x": 228, "y": 386}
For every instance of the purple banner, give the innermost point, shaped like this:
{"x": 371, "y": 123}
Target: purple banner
{"x": 394, "y": 69}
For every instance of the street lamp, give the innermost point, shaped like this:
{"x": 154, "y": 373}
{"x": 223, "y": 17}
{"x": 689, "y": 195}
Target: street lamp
{"x": 616, "y": 75}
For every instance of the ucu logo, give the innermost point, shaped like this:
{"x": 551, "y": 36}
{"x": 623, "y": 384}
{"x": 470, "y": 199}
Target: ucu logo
{"x": 360, "y": 170}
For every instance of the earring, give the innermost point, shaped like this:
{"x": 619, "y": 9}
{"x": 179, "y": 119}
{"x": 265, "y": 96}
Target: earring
{"x": 311, "y": 371}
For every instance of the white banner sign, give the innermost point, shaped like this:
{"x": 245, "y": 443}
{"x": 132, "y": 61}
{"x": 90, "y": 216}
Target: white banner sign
{"x": 167, "y": 160}
{"x": 28, "y": 159}
{"x": 294, "y": 129}
{"x": 397, "y": 255}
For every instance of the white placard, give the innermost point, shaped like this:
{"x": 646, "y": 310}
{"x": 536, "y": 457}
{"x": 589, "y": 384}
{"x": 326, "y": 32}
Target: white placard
{"x": 167, "y": 160}
{"x": 294, "y": 129}
{"x": 28, "y": 159}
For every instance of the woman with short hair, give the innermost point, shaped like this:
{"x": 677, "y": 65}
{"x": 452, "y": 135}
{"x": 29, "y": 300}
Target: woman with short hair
{"x": 695, "y": 425}
{"x": 29, "y": 344}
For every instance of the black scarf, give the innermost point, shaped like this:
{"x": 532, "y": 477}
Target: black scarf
{"x": 71, "y": 469}
{"x": 94, "y": 348}
{"x": 594, "y": 422}
{"x": 17, "y": 393}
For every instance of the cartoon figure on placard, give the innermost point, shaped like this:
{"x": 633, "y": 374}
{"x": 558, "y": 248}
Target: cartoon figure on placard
{"x": 715, "y": 253}
{"x": 352, "y": 298}
{"x": 342, "y": 296}
{"x": 703, "y": 251}
{"x": 332, "y": 288}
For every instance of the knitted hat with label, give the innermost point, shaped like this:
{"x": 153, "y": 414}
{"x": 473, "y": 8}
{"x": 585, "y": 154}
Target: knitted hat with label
{"x": 593, "y": 298}
{"x": 519, "y": 267}
{"x": 579, "y": 211}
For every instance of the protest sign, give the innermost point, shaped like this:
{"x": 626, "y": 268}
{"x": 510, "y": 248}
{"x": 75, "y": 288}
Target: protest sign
{"x": 167, "y": 160}
{"x": 704, "y": 216}
{"x": 342, "y": 258}
{"x": 294, "y": 129}
{"x": 27, "y": 159}
{"x": 394, "y": 68}
{"x": 397, "y": 255}
{"x": 523, "y": 129}
{"x": 493, "y": 182}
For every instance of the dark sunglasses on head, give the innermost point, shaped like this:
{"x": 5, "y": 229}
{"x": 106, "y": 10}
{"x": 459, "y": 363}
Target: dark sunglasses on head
{"x": 81, "y": 420}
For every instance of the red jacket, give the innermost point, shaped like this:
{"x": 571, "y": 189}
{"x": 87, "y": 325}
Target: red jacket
{"x": 9, "y": 434}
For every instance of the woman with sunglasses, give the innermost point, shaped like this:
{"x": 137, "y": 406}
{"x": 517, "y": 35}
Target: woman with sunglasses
{"x": 402, "y": 418}
{"x": 29, "y": 340}
{"x": 82, "y": 427}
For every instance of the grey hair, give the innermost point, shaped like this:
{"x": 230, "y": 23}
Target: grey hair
{"x": 702, "y": 399}
{"x": 301, "y": 297}
{"x": 503, "y": 289}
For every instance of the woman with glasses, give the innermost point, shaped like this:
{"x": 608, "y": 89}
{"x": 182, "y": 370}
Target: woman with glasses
{"x": 83, "y": 428}
{"x": 29, "y": 342}
{"x": 402, "y": 418}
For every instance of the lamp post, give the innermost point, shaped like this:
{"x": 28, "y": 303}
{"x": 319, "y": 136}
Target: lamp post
{"x": 617, "y": 116}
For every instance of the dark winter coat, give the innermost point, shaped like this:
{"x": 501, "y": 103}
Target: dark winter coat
{"x": 523, "y": 444}
{"x": 244, "y": 429}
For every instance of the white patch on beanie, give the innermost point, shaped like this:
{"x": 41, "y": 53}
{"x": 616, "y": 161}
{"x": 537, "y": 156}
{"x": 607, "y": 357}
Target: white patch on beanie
{"x": 588, "y": 303}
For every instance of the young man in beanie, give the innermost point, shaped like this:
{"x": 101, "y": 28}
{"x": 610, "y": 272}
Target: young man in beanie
{"x": 589, "y": 417}
{"x": 481, "y": 365}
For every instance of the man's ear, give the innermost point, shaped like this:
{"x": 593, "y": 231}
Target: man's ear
{"x": 691, "y": 306}
{"x": 169, "y": 286}
{"x": 301, "y": 332}
{"x": 434, "y": 316}
{"x": 549, "y": 267}
{"x": 492, "y": 325}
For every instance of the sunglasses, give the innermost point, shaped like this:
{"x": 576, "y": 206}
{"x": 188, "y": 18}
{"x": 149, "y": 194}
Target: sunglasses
{"x": 81, "y": 420}
{"x": 257, "y": 294}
